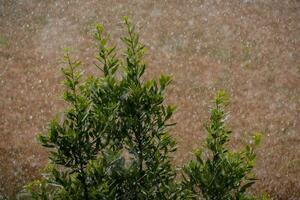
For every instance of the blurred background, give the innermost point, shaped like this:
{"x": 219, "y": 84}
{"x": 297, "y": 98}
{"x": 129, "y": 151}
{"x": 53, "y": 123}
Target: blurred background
{"x": 251, "y": 48}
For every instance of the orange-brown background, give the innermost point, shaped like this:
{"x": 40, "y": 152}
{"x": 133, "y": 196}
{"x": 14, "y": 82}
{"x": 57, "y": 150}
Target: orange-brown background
{"x": 248, "y": 47}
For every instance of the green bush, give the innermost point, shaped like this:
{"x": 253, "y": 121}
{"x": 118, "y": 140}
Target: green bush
{"x": 112, "y": 140}
{"x": 218, "y": 172}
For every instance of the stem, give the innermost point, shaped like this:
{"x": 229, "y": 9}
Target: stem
{"x": 140, "y": 152}
{"x": 82, "y": 179}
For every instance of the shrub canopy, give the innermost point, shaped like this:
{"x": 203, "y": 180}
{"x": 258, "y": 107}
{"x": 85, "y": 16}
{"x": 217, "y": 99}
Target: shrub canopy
{"x": 112, "y": 141}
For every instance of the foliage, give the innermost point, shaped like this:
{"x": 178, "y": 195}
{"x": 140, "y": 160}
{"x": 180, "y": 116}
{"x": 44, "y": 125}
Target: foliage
{"x": 112, "y": 141}
{"x": 220, "y": 173}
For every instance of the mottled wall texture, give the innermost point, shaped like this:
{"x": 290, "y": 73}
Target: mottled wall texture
{"x": 248, "y": 47}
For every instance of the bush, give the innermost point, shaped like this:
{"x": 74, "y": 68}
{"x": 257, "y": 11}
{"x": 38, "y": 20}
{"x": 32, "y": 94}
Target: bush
{"x": 112, "y": 141}
{"x": 221, "y": 173}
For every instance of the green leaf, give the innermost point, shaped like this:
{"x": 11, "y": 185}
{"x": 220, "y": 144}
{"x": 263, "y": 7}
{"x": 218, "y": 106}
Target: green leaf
{"x": 246, "y": 186}
{"x": 164, "y": 81}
